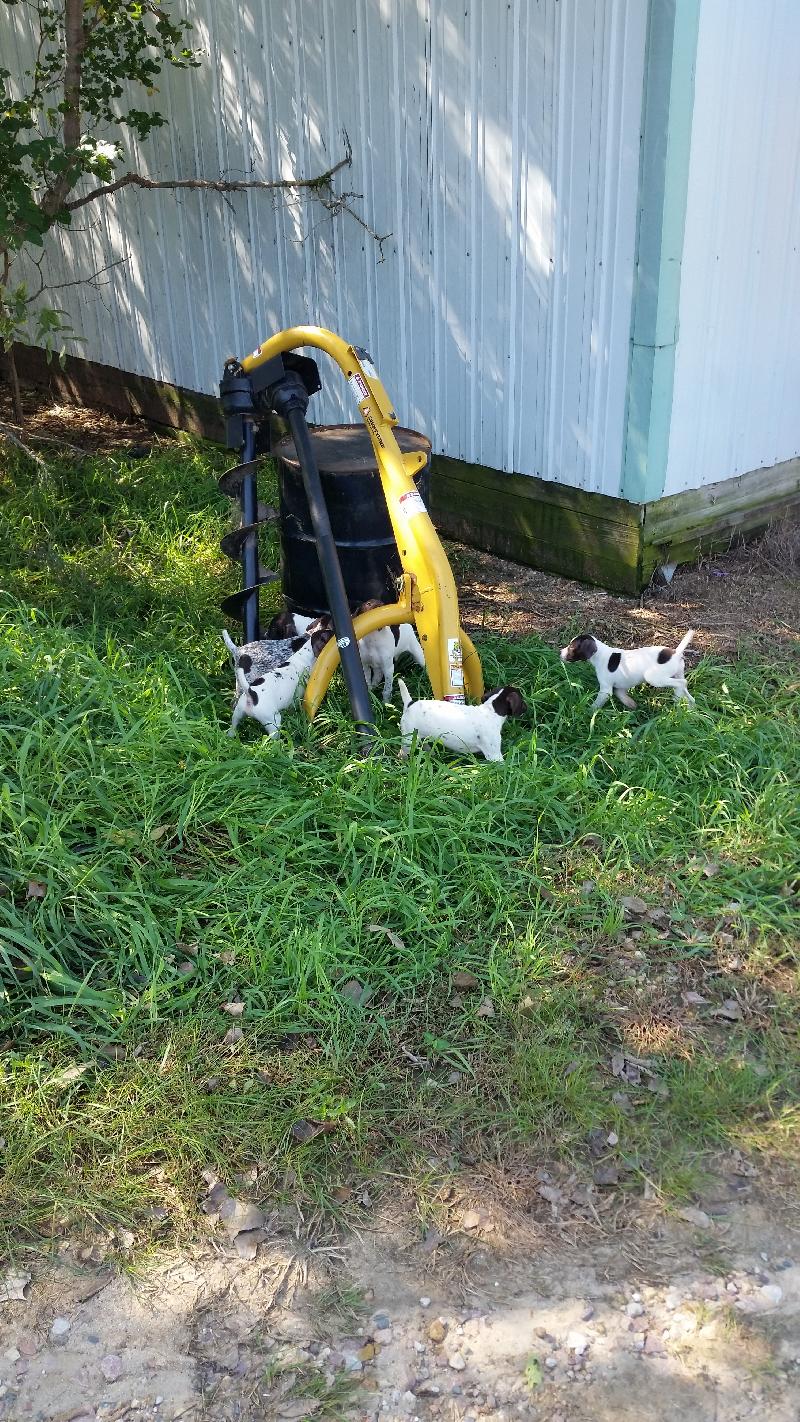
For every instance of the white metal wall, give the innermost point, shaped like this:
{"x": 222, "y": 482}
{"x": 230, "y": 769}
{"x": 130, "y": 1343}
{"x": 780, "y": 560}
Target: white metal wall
{"x": 496, "y": 140}
{"x": 736, "y": 402}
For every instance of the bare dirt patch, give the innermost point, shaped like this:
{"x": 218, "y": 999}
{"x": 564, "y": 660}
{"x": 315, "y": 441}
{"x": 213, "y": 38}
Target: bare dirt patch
{"x": 665, "y": 1319}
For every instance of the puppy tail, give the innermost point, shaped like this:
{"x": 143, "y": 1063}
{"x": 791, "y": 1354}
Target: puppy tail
{"x": 683, "y": 644}
{"x": 405, "y": 693}
{"x": 241, "y": 680}
{"x": 230, "y": 644}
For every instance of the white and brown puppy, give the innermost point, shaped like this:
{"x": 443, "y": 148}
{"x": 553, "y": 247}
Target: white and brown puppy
{"x": 285, "y": 625}
{"x": 617, "y": 671}
{"x": 476, "y": 729}
{"x": 266, "y": 697}
{"x": 380, "y": 650}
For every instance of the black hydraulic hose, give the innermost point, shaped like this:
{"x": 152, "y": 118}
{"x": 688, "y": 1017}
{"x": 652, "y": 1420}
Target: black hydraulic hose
{"x": 249, "y": 505}
{"x": 352, "y": 667}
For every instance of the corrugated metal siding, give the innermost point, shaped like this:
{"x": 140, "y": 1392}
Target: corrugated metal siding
{"x": 736, "y": 402}
{"x": 496, "y": 140}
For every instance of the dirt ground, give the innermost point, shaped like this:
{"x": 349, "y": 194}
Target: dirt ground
{"x": 638, "y": 1317}
{"x": 634, "y": 1314}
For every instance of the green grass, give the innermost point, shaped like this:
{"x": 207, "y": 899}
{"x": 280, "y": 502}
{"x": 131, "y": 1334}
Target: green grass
{"x": 181, "y": 870}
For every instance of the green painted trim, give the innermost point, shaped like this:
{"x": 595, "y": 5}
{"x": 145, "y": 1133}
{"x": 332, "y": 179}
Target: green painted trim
{"x": 667, "y": 106}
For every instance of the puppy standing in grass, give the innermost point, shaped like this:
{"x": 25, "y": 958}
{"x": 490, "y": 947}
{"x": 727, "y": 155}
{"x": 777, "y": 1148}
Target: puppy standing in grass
{"x": 476, "y": 729}
{"x": 266, "y": 697}
{"x": 380, "y": 650}
{"x": 618, "y": 671}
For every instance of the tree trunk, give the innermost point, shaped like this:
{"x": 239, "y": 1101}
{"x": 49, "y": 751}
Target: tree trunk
{"x": 13, "y": 381}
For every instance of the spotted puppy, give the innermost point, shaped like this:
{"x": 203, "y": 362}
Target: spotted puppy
{"x": 266, "y": 697}
{"x": 380, "y": 650}
{"x": 285, "y": 625}
{"x": 476, "y": 729}
{"x": 618, "y": 671}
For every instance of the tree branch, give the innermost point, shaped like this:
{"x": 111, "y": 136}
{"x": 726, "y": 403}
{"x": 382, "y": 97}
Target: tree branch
{"x": 216, "y": 185}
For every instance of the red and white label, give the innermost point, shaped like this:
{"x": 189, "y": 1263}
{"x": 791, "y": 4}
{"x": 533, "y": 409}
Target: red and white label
{"x": 411, "y": 504}
{"x": 359, "y": 387}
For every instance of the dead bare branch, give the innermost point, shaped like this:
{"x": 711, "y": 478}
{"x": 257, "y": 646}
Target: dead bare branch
{"x": 217, "y": 185}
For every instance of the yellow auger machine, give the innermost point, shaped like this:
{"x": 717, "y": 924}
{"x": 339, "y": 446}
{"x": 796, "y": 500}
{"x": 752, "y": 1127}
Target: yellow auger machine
{"x": 275, "y": 380}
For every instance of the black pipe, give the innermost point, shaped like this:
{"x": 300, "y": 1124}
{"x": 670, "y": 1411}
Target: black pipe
{"x": 352, "y": 667}
{"x": 248, "y": 500}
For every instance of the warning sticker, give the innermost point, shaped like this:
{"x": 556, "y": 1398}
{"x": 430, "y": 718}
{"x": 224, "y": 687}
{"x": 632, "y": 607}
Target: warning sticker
{"x": 459, "y": 700}
{"x": 456, "y": 676}
{"x": 455, "y": 656}
{"x": 368, "y": 367}
{"x": 359, "y": 387}
{"x": 411, "y": 504}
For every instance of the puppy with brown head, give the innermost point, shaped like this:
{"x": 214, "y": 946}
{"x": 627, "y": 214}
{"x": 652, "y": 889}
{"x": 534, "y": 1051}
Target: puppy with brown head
{"x": 617, "y": 671}
{"x": 475, "y": 729}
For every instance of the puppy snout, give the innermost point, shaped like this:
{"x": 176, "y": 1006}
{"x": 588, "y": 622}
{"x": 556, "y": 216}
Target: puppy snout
{"x": 564, "y": 654}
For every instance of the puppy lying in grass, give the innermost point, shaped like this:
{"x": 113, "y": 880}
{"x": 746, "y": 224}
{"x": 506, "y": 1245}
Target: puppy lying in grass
{"x": 266, "y": 697}
{"x": 618, "y": 671}
{"x": 476, "y": 729}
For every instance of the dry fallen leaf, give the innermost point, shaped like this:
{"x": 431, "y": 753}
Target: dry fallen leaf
{"x": 186, "y": 968}
{"x": 298, "y": 1408}
{"x": 13, "y": 1285}
{"x": 730, "y": 1010}
{"x": 475, "y": 1219}
{"x": 694, "y": 999}
{"x": 633, "y": 907}
{"x": 190, "y": 949}
{"x": 228, "y": 957}
{"x": 36, "y": 889}
{"x": 486, "y": 1008}
{"x": 159, "y": 832}
{"x": 606, "y": 1174}
{"x": 234, "y": 1009}
{"x": 69, "y": 1074}
{"x": 394, "y": 938}
{"x": 342, "y": 1193}
{"x": 233, "y": 1034}
{"x": 465, "y": 981}
{"x": 305, "y": 1131}
{"x": 617, "y": 1063}
{"x": 710, "y": 870}
{"x": 356, "y": 993}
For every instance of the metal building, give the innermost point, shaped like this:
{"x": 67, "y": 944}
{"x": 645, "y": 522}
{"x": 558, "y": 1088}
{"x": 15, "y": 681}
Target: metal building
{"x": 587, "y": 282}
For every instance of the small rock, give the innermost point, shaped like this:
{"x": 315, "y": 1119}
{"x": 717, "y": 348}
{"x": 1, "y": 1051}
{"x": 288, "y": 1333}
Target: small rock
{"x": 111, "y": 1367}
{"x": 588, "y": 1314}
{"x": 731, "y": 1287}
{"x": 383, "y": 1336}
{"x": 381, "y": 1320}
{"x": 577, "y": 1343}
{"x": 696, "y": 1217}
{"x": 437, "y": 1331}
{"x": 771, "y": 1294}
{"x": 59, "y": 1329}
{"x": 425, "y": 1301}
{"x": 427, "y": 1389}
{"x": 457, "y": 1361}
{"x": 653, "y": 1346}
{"x": 551, "y": 1363}
{"x": 635, "y": 1309}
{"x": 419, "y": 1347}
{"x": 12, "y": 1355}
{"x": 352, "y": 1364}
{"x": 672, "y": 1299}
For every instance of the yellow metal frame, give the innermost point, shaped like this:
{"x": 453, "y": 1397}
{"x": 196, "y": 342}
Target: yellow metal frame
{"x": 428, "y": 597}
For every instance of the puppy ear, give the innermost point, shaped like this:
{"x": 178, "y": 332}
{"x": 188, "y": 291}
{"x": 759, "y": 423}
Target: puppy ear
{"x": 319, "y": 640}
{"x": 580, "y": 649}
{"x": 245, "y": 662}
{"x": 298, "y": 642}
{"x": 282, "y": 625}
{"x": 508, "y": 702}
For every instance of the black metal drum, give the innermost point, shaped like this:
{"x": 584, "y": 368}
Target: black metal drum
{"x": 359, "y": 518}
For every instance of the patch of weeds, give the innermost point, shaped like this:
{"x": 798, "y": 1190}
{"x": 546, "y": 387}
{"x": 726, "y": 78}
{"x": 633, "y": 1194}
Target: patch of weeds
{"x": 341, "y": 1302}
{"x": 155, "y": 872}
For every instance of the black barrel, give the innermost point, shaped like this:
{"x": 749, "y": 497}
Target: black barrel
{"x": 362, "y": 531}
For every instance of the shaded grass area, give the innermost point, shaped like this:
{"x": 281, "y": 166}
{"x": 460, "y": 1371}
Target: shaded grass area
{"x": 154, "y": 871}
